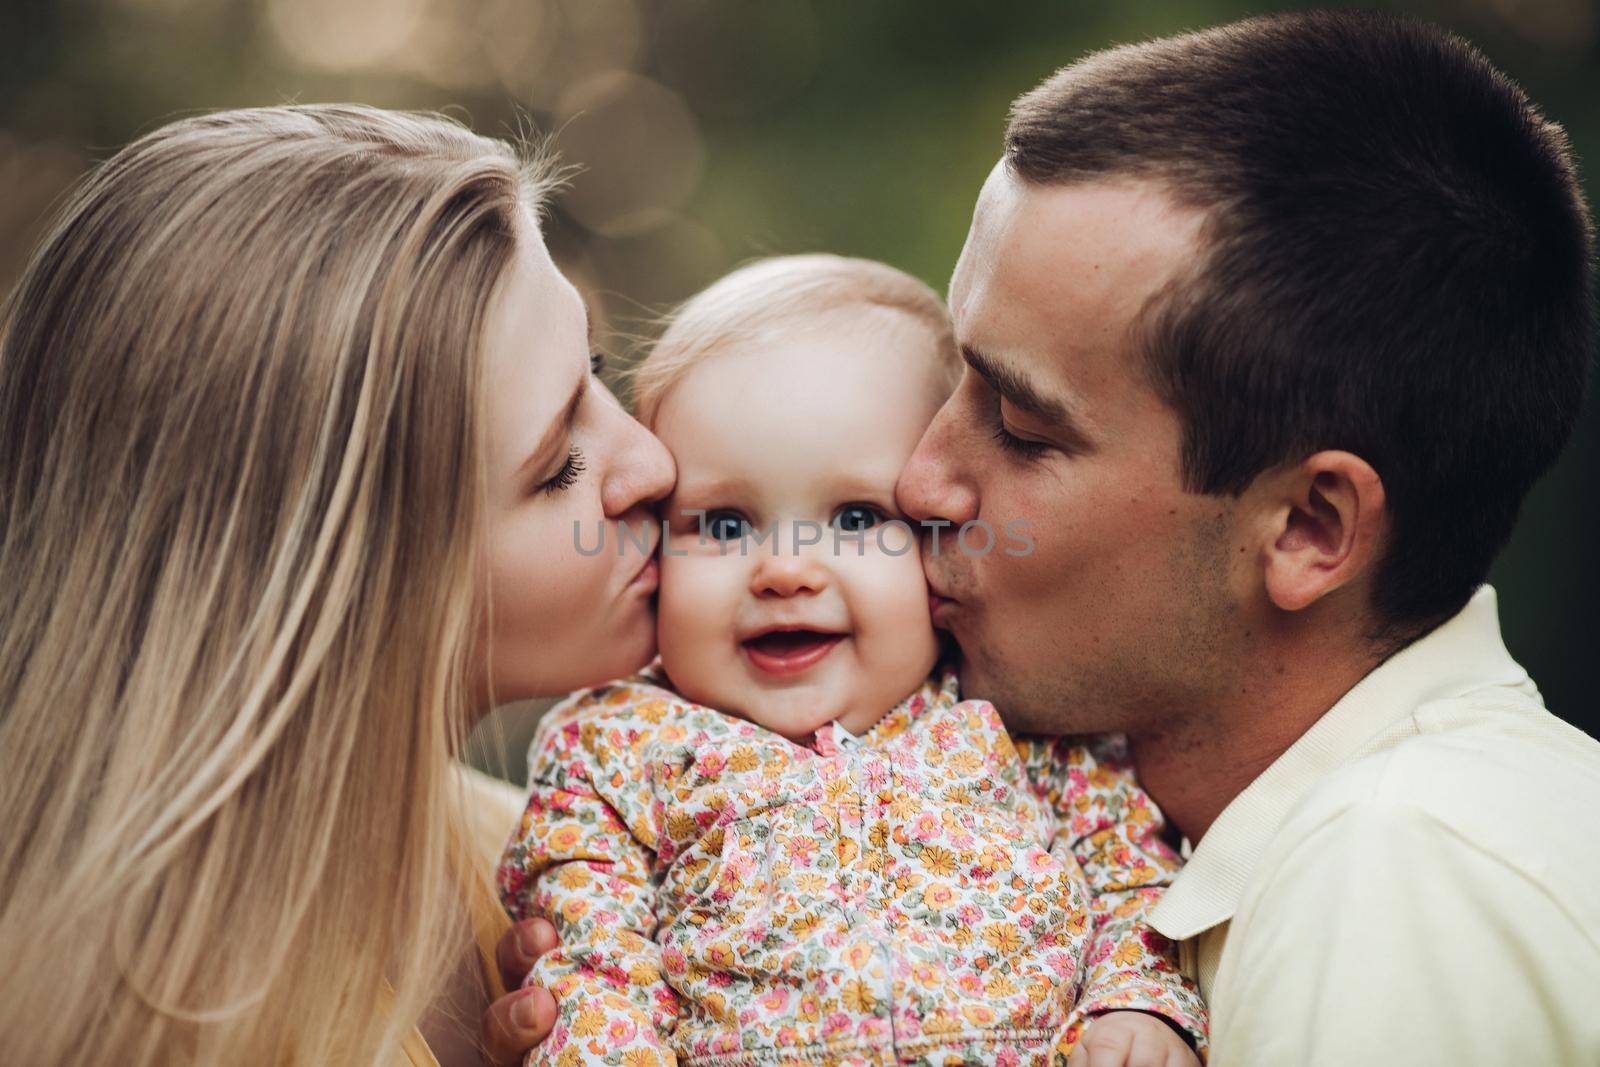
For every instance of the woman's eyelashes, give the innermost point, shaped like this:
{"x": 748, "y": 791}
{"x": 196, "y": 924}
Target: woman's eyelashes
{"x": 574, "y": 464}
{"x": 568, "y": 473}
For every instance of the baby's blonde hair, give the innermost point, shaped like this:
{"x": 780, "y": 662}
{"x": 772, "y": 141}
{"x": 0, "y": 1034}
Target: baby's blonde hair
{"x": 757, "y": 300}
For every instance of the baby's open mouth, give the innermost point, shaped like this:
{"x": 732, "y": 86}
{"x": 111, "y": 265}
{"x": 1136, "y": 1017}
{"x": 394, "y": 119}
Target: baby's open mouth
{"x": 789, "y": 651}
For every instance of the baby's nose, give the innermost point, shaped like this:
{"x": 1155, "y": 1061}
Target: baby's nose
{"x": 787, "y": 575}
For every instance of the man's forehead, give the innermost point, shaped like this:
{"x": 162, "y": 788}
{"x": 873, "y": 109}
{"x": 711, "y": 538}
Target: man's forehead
{"x": 1070, "y": 257}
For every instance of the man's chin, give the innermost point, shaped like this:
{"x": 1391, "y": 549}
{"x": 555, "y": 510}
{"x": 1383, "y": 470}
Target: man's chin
{"x": 981, "y": 681}
{"x": 976, "y": 682}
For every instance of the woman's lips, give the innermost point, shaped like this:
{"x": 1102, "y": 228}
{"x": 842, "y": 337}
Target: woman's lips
{"x": 787, "y": 652}
{"x": 648, "y": 578}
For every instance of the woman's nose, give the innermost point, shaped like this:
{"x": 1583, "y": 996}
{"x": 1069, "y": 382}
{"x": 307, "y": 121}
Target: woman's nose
{"x": 932, "y": 485}
{"x": 788, "y": 576}
{"x": 640, "y": 471}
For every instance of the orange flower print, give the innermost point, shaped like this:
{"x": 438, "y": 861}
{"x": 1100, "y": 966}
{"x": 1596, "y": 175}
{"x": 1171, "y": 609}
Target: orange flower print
{"x": 1004, "y": 938}
{"x": 590, "y": 1021}
{"x": 725, "y": 894}
{"x": 856, "y": 997}
{"x": 1127, "y": 954}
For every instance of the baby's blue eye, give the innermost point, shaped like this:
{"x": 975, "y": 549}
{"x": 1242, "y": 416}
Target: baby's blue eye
{"x": 724, "y": 526}
{"x": 853, "y": 518}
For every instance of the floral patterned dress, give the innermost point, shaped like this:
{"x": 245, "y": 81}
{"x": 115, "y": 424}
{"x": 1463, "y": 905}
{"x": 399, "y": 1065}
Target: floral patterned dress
{"x": 928, "y": 893}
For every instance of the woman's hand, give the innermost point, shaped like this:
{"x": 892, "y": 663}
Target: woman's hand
{"x": 518, "y": 1021}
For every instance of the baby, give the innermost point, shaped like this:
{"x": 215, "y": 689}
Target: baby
{"x": 789, "y": 840}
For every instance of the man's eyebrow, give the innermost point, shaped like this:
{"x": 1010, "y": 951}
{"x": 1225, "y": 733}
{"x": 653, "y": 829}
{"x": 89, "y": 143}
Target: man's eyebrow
{"x": 1014, "y": 387}
{"x": 1023, "y": 394}
{"x": 560, "y": 428}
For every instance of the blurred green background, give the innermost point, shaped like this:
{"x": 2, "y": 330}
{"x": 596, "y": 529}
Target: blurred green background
{"x": 711, "y": 131}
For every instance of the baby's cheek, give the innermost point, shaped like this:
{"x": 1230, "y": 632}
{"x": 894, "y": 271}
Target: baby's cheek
{"x": 889, "y": 607}
{"x": 697, "y": 602}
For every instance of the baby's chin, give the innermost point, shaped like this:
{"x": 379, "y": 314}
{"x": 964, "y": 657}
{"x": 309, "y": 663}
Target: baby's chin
{"x": 794, "y": 714}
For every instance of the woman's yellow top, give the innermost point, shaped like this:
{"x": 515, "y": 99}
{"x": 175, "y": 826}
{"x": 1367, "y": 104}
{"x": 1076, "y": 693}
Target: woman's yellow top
{"x": 493, "y": 808}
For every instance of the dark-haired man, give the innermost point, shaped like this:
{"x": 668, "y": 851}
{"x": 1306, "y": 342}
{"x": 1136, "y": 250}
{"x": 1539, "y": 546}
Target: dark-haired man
{"x": 1269, "y": 329}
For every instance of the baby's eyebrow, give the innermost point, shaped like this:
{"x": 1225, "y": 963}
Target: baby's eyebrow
{"x": 718, "y": 491}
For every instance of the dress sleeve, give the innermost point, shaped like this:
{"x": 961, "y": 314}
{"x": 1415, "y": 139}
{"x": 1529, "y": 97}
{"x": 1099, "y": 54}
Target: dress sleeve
{"x": 1108, "y": 826}
{"x": 583, "y": 857}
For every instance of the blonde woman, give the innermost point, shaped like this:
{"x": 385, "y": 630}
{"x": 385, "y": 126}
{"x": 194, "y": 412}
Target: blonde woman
{"x": 296, "y": 417}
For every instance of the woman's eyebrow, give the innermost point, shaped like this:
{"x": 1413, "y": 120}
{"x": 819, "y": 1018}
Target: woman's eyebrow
{"x": 558, "y": 429}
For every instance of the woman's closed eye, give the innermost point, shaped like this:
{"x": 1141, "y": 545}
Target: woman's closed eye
{"x": 567, "y": 474}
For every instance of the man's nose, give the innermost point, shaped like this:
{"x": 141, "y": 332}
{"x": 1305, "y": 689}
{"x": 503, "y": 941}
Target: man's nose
{"x": 787, "y": 575}
{"x": 934, "y": 485}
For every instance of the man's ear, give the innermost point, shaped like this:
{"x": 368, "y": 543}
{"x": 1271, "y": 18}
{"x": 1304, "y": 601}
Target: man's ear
{"x": 1327, "y": 523}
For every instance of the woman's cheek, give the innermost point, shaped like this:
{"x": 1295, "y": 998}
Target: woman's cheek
{"x": 550, "y": 603}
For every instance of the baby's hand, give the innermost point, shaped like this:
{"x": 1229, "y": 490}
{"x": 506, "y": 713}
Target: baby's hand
{"x": 1131, "y": 1039}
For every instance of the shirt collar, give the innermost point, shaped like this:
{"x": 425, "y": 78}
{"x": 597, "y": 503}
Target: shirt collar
{"x": 1463, "y": 654}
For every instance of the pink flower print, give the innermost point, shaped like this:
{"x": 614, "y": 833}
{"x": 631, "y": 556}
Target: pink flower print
{"x": 775, "y": 1001}
{"x": 1154, "y": 941}
{"x": 710, "y": 764}
{"x": 970, "y": 914}
{"x": 836, "y": 1024}
{"x": 1008, "y": 1056}
{"x": 802, "y": 850}
{"x": 926, "y": 827}
{"x": 944, "y": 735}
{"x": 620, "y": 1032}
{"x": 969, "y": 984}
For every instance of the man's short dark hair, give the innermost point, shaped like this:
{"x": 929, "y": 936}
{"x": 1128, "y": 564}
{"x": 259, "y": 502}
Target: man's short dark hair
{"x": 1396, "y": 261}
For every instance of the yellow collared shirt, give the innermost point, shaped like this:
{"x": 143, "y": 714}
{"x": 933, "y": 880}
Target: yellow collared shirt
{"x": 1416, "y": 880}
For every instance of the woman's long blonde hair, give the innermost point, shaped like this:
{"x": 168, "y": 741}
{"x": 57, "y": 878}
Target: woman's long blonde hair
{"x": 240, "y": 497}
